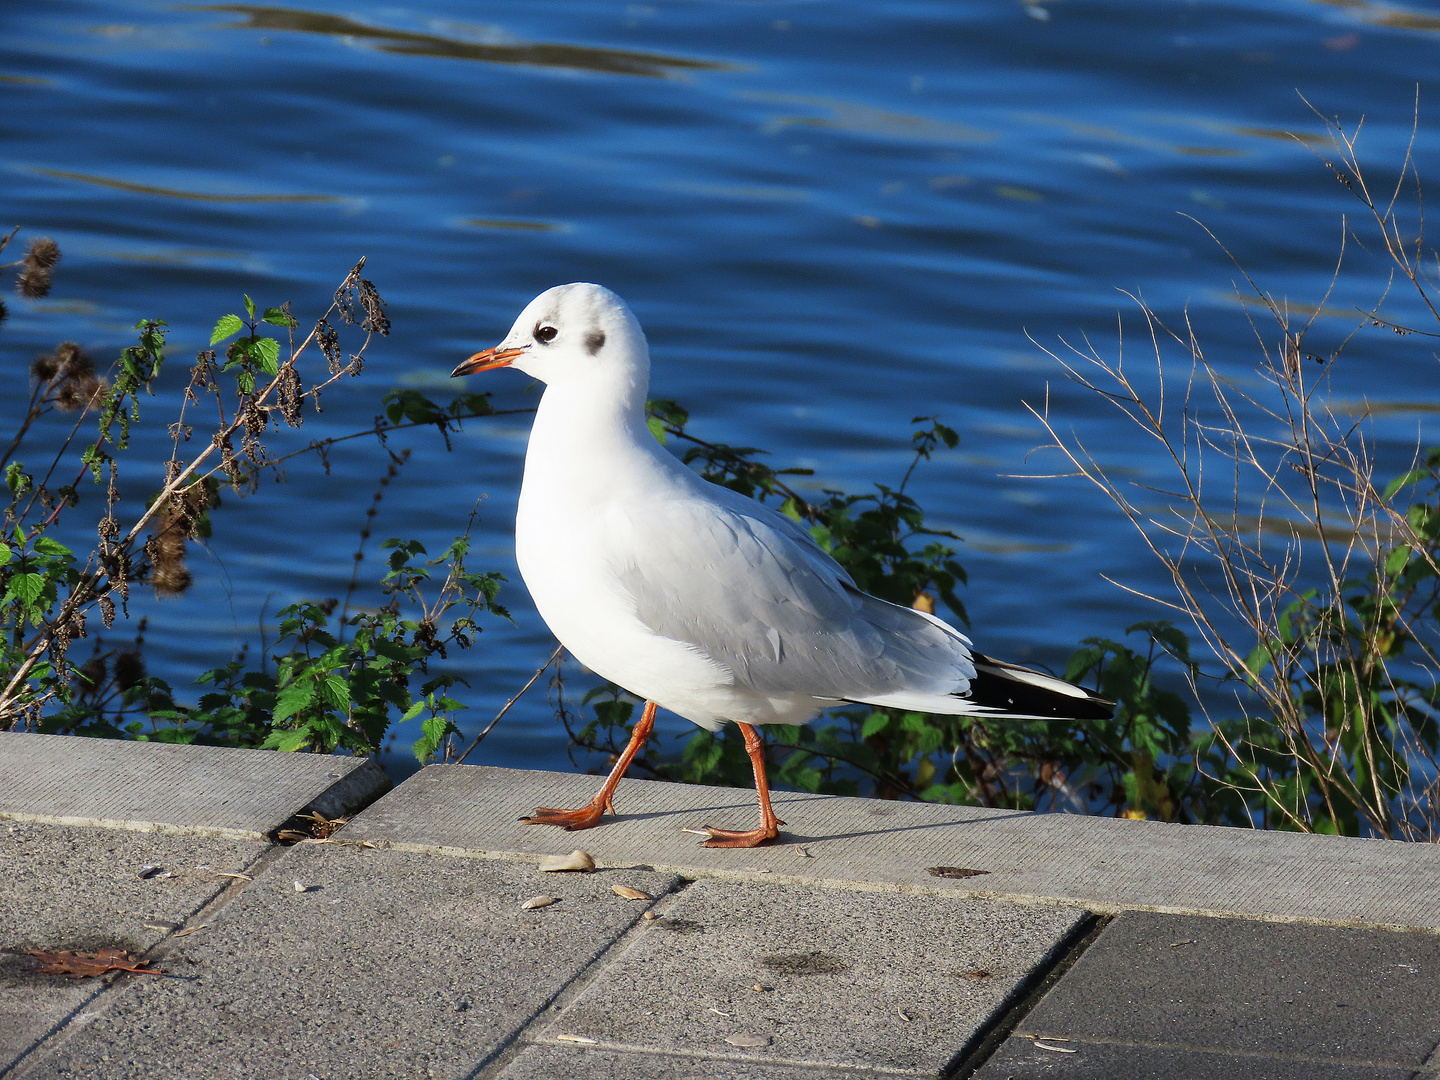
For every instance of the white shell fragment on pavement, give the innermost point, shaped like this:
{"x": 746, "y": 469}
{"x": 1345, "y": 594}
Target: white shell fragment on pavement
{"x": 748, "y": 1040}
{"x": 578, "y": 861}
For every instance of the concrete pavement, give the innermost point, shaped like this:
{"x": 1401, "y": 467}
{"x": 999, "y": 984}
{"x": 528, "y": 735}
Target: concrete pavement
{"x": 876, "y": 939}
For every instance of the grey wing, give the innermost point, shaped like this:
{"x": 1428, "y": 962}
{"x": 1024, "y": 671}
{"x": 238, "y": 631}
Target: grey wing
{"x": 753, "y": 590}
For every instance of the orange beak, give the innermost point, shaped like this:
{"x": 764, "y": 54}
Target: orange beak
{"x": 487, "y": 360}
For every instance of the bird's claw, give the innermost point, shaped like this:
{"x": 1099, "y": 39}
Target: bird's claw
{"x": 586, "y": 817}
{"x": 730, "y": 838}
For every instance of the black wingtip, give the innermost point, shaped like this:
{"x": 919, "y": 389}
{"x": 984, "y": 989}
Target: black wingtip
{"x": 995, "y": 687}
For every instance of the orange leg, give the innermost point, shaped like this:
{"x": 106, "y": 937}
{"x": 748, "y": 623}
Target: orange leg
{"x": 769, "y": 827}
{"x": 588, "y": 816}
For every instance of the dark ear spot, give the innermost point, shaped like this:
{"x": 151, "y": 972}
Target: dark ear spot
{"x": 594, "y": 342}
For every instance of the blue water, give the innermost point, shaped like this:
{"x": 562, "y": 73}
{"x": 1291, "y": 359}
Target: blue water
{"x": 830, "y": 217}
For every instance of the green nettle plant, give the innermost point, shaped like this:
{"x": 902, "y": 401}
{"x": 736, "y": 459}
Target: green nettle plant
{"x": 330, "y": 683}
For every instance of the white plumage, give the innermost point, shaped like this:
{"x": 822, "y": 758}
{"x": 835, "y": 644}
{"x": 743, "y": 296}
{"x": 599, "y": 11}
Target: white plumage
{"x": 691, "y": 595}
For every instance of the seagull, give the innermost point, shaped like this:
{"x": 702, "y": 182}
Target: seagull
{"x": 694, "y": 597}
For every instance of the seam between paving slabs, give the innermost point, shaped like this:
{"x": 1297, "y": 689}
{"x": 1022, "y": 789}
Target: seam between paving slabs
{"x": 823, "y": 1067}
{"x": 499, "y": 1059}
{"x": 1025, "y": 997}
{"x": 117, "y": 983}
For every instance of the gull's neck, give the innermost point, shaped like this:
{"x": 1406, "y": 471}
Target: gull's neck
{"x": 586, "y": 428}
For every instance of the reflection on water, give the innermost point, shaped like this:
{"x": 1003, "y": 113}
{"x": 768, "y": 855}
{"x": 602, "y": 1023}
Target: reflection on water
{"x": 859, "y": 119}
{"x": 514, "y": 223}
{"x": 175, "y": 193}
{"x": 1386, "y": 14}
{"x": 732, "y": 191}
{"x": 406, "y": 43}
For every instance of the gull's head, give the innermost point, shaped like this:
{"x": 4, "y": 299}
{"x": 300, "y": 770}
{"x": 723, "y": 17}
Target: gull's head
{"x": 570, "y": 332}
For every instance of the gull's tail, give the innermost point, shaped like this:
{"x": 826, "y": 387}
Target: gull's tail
{"x": 1009, "y": 689}
{"x": 1003, "y": 691}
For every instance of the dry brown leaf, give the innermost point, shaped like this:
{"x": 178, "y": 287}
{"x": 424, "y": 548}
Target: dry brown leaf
{"x": 86, "y": 965}
{"x": 953, "y": 871}
{"x": 321, "y": 826}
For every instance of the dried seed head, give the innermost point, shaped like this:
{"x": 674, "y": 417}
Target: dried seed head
{"x": 43, "y": 253}
{"x": 71, "y": 372}
{"x": 43, "y": 368}
{"x": 59, "y": 645}
{"x": 228, "y": 464}
{"x": 254, "y": 418}
{"x": 32, "y": 282}
{"x": 329, "y": 341}
{"x": 201, "y": 375}
{"x": 375, "y": 320}
{"x": 174, "y": 525}
{"x": 290, "y": 396}
{"x": 74, "y": 394}
{"x": 129, "y": 669}
{"x": 171, "y": 579}
{"x": 107, "y": 611}
{"x": 92, "y": 674}
{"x": 166, "y": 551}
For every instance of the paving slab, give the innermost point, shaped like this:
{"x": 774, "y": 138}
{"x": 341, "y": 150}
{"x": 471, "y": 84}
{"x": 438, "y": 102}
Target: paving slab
{"x": 550, "y": 1062}
{"x": 1103, "y": 864}
{"x": 1270, "y": 999}
{"x": 170, "y": 787}
{"x": 76, "y": 889}
{"x": 900, "y": 984}
{"x": 1022, "y": 1059}
{"x": 389, "y": 964}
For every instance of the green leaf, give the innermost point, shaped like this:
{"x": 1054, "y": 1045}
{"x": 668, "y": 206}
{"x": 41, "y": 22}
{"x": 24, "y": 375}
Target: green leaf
{"x": 435, "y": 729}
{"x": 6, "y": 553}
{"x": 288, "y": 741}
{"x": 875, "y": 724}
{"x": 26, "y": 588}
{"x": 1394, "y": 562}
{"x": 276, "y": 317}
{"x": 266, "y": 354}
{"x": 228, "y": 326}
{"x": 16, "y": 478}
{"x": 293, "y": 699}
{"x": 249, "y": 306}
{"x": 53, "y": 548}
{"x": 334, "y": 691}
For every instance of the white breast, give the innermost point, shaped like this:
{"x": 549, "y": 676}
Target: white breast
{"x": 572, "y": 529}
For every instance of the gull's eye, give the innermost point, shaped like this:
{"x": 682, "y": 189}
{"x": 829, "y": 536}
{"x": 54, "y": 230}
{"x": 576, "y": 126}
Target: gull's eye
{"x": 545, "y": 334}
